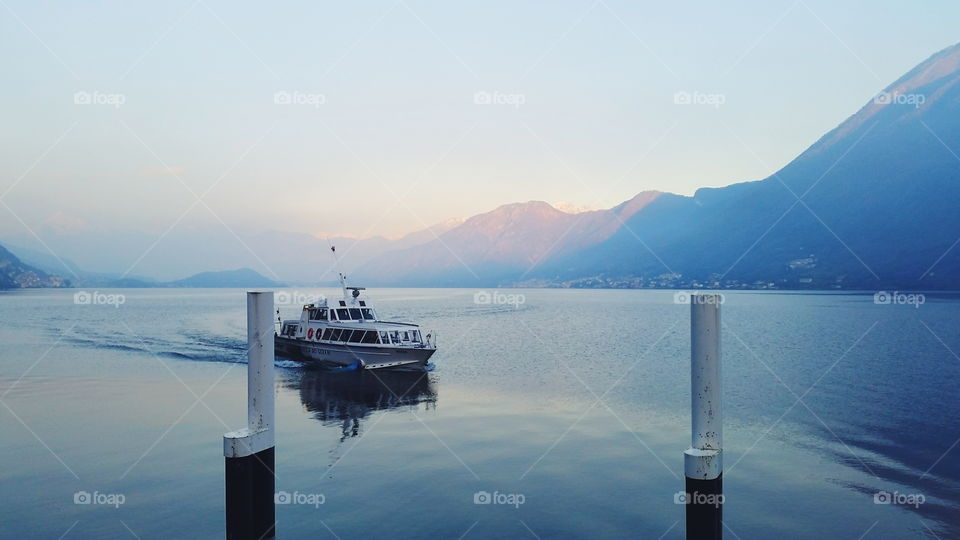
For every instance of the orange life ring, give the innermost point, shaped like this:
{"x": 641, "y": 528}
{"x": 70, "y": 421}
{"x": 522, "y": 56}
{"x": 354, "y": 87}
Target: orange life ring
{"x": 310, "y": 333}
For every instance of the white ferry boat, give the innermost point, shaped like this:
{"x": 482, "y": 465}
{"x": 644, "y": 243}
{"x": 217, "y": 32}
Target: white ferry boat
{"x": 349, "y": 334}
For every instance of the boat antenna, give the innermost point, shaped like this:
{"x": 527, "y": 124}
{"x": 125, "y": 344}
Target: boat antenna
{"x": 336, "y": 266}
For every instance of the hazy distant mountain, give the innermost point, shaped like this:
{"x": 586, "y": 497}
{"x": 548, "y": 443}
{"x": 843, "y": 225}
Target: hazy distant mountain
{"x": 280, "y": 255}
{"x": 425, "y": 235}
{"x": 78, "y": 276}
{"x": 501, "y": 244}
{"x": 14, "y": 274}
{"x": 243, "y": 277}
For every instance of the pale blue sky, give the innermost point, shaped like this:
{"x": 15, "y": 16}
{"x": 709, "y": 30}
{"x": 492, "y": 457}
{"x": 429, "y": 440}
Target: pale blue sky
{"x": 597, "y": 123}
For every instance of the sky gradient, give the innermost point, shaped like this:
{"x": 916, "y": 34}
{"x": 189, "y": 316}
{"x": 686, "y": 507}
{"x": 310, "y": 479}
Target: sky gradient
{"x": 385, "y": 117}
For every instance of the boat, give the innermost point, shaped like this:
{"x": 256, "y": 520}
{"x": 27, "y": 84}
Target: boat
{"x": 348, "y": 334}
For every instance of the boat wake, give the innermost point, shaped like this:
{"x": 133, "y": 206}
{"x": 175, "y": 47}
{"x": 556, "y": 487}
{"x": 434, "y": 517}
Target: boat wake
{"x": 185, "y": 346}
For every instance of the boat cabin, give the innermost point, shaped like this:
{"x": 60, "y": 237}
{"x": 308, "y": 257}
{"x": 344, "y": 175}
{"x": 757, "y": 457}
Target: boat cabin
{"x": 322, "y": 323}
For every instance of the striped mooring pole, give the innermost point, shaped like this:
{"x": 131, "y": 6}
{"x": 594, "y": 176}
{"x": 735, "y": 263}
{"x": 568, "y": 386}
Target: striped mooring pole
{"x": 703, "y": 461}
{"x": 249, "y": 453}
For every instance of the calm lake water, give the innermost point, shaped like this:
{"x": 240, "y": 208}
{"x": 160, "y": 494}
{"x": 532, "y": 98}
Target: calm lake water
{"x": 573, "y": 403}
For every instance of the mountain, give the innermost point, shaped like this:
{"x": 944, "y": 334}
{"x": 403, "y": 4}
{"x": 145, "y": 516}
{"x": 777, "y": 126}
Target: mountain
{"x": 870, "y": 205}
{"x": 78, "y": 277}
{"x": 500, "y": 245}
{"x": 243, "y": 277}
{"x": 14, "y": 274}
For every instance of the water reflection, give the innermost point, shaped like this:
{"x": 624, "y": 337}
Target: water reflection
{"x": 344, "y": 399}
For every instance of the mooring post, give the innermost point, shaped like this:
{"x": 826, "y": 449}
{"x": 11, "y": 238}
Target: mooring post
{"x": 703, "y": 461}
{"x": 249, "y": 453}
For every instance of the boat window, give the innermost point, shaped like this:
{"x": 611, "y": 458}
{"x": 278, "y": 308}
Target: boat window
{"x": 342, "y": 314}
{"x": 335, "y": 335}
{"x": 369, "y": 337}
{"x": 384, "y": 337}
{"x": 320, "y": 314}
{"x": 345, "y": 336}
{"x": 326, "y": 334}
{"x": 357, "y": 336}
{"x": 416, "y": 336}
{"x": 367, "y": 313}
{"x": 355, "y": 314}
{"x": 395, "y": 336}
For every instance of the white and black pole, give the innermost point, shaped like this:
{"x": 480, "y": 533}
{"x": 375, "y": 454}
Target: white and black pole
{"x": 703, "y": 461}
{"x": 249, "y": 453}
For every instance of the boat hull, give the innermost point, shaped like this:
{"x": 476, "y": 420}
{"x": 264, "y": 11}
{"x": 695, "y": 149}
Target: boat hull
{"x": 370, "y": 357}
